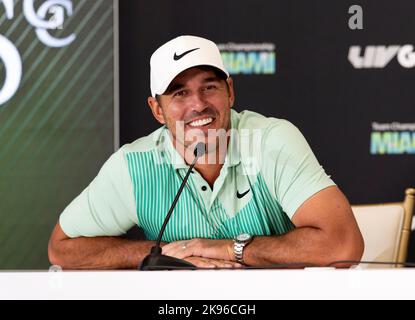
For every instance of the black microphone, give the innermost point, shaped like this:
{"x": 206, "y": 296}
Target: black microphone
{"x": 155, "y": 260}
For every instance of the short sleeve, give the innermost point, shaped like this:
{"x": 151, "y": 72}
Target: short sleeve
{"x": 106, "y": 207}
{"x": 290, "y": 167}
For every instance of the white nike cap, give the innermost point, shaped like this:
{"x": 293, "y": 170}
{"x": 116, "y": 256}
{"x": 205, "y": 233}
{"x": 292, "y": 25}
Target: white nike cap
{"x": 178, "y": 55}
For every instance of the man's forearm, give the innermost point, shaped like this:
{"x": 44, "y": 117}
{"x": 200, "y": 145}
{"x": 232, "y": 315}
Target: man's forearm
{"x": 302, "y": 245}
{"x": 102, "y": 253}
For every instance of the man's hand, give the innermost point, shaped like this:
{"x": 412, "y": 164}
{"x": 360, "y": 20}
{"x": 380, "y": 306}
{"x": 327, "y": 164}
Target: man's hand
{"x": 203, "y": 248}
{"x": 212, "y": 263}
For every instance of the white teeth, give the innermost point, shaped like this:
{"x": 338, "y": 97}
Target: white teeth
{"x": 200, "y": 123}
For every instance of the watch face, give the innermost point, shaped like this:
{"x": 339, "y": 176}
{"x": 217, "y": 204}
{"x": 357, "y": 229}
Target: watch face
{"x": 243, "y": 237}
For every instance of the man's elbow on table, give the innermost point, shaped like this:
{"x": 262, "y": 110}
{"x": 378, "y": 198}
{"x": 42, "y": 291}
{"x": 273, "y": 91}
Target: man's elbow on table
{"x": 330, "y": 212}
{"x": 350, "y": 250}
{"x": 55, "y": 247}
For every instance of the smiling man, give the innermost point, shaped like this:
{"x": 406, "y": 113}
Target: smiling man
{"x": 258, "y": 197}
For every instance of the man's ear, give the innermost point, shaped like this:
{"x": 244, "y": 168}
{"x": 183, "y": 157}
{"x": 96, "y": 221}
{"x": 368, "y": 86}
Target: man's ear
{"x": 231, "y": 91}
{"x": 156, "y": 109}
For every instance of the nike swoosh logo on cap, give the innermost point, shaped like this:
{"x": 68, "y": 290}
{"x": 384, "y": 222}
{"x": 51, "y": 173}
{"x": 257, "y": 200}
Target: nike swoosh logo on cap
{"x": 178, "y": 57}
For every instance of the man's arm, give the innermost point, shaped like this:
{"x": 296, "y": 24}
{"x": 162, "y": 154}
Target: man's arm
{"x": 326, "y": 231}
{"x": 103, "y": 253}
{"x": 108, "y": 253}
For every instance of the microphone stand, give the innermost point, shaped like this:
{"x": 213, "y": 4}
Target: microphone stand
{"x": 156, "y": 260}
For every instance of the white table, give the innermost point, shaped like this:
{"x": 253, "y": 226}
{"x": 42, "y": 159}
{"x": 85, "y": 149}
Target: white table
{"x": 211, "y": 285}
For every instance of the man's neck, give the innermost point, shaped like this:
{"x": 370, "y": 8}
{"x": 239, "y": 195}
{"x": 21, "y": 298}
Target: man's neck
{"x": 210, "y": 165}
{"x": 210, "y": 172}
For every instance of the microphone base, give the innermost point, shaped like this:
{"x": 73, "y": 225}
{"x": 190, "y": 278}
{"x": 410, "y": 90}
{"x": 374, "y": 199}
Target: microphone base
{"x": 158, "y": 262}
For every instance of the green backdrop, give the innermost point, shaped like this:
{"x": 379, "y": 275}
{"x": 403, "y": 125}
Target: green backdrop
{"x": 58, "y": 128}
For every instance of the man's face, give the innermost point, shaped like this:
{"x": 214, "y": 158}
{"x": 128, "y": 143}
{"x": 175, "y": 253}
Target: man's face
{"x": 195, "y": 107}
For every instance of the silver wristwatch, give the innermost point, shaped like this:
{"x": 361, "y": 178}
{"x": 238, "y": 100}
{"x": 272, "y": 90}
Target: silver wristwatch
{"x": 239, "y": 243}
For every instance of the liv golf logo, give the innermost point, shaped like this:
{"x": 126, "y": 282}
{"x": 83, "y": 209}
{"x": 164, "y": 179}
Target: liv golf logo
{"x": 10, "y": 56}
{"x": 378, "y": 57}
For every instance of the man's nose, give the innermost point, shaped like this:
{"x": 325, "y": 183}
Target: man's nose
{"x": 197, "y": 102}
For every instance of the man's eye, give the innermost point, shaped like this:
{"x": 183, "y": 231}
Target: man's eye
{"x": 180, "y": 93}
{"x": 210, "y": 87}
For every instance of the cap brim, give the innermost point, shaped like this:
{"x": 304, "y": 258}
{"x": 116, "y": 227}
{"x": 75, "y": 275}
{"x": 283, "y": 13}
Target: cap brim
{"x": 163, "y": 88}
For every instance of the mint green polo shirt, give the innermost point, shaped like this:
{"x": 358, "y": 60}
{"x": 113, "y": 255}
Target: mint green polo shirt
{"x": 268, "y": 173}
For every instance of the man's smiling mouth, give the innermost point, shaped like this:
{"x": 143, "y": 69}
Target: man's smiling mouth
{"x": 201, "y": 122}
